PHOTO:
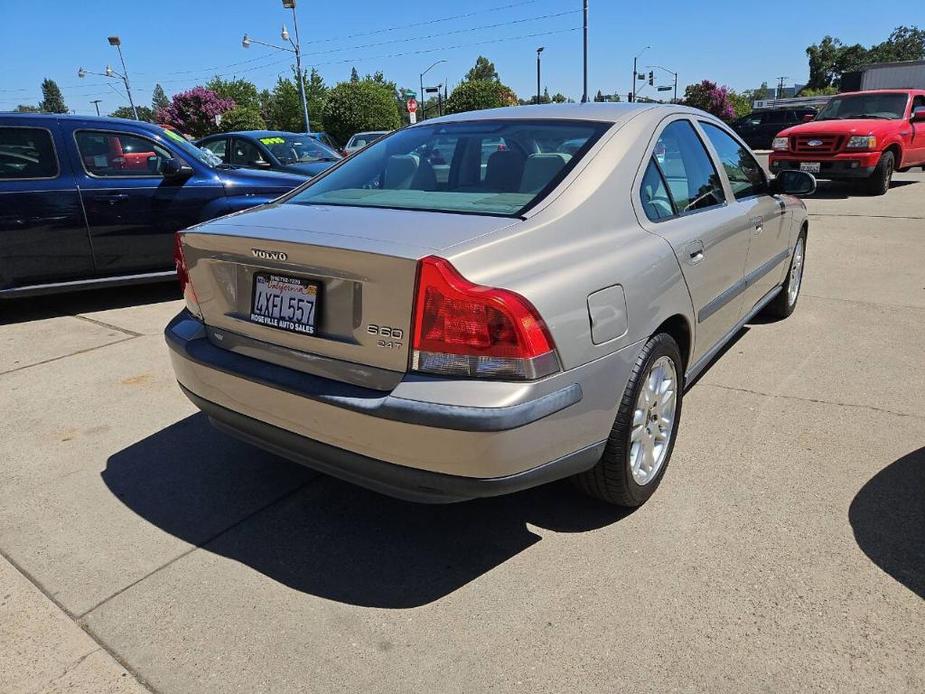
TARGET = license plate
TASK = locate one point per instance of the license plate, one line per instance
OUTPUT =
(810, 166)
(287, 303)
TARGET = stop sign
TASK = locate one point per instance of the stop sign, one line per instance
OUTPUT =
(412, 105)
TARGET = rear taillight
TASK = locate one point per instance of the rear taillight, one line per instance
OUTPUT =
(464, 329)
(186, 286)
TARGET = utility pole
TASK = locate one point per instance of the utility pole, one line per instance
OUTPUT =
(780, 87)
(96, 102)
(635, 73)
(538, 51)
(584, 92)
(115, 41)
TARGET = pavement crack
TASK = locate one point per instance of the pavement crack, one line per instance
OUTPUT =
(103, 324)
(199, 545)
(871, 408)
(65, 356)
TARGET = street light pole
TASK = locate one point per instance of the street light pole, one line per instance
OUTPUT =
(538, 51)
(117, 42)
(290, 4)
(584, 92)
(96, 102)
(421, 76)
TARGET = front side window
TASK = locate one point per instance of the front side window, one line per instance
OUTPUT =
(218, 147)
(120, 154)
(882, 105)
(246, 153)
(745, 175)
(27, 153)
(493, 167)
(690, 175)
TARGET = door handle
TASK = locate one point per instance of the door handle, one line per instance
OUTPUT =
(694, 252)
(758, 222)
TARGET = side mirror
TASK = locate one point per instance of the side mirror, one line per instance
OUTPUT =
(808, 117)
(918, 114)
(174, 168)
(793, 182)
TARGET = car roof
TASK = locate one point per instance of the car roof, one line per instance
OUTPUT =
(255, 133)
(102, 120)
(897, 90)
(591, 111)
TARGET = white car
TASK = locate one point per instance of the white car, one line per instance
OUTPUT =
(360, 140)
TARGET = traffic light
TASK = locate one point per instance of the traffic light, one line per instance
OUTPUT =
(651, 77)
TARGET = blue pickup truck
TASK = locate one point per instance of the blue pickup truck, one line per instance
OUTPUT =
(88, 202)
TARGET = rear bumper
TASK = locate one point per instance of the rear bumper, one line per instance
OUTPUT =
(399, 481)
(420, 449)
(837, 166)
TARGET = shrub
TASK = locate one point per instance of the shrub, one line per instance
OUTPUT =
(480, 94)
(353, 107)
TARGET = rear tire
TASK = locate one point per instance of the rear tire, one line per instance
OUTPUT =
(644, 431)
(880, 179)
(786, 301)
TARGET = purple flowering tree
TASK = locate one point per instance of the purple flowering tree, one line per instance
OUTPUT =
(194, 112)
(712, 98)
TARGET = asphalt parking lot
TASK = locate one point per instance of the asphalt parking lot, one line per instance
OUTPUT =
(785, 550)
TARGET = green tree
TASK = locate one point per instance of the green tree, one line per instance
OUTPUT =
(27, 108)
(159, 98)
(144, 113)
(830, 58)
(52, 99)
(825, 91)
(741, 102)
(354, 75)
(351, 107)
(599, 97)
(559, 98)
(905, 43)
(285, 103)
(474, 95)
(483, 69)
(242, 118)
(240, 91)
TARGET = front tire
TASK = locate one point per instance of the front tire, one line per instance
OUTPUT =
(643, 434)
(786, 301)
(880, 179)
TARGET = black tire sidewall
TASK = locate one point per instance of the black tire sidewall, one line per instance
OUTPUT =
(618, 446)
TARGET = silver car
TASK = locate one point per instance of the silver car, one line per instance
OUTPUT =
(360, 140)
(490, 301)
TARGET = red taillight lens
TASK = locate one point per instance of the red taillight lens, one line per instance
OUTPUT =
(464, 329)
(186, 286)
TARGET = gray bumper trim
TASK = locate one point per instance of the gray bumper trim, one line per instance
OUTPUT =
(186, 336)
(410, 484)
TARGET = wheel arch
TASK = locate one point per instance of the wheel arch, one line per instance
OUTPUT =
(897, 150)
(678, 327)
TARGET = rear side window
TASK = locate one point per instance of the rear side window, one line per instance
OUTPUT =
(246, 153)
(27, 153)
(689, 173)
(218, 147)
(113, 154)
(655, 198)
(745, 175)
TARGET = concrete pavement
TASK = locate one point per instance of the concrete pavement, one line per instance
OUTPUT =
(785, 549)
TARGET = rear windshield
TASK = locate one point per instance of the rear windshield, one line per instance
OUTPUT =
(491, 167)
(888, 106)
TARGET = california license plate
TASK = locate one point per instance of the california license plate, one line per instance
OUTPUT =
(810, 166)
(287, 303)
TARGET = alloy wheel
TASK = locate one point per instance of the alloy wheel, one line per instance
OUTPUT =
(653, 421)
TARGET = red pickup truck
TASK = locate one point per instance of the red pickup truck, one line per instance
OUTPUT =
(864, 136)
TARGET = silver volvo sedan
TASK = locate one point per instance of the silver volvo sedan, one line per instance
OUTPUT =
(490, 301)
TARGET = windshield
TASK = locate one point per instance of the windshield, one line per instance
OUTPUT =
(493, 167)
(363, 139)
(890, 106)
(297, 149)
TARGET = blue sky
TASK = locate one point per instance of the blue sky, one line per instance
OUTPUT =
(180, 43)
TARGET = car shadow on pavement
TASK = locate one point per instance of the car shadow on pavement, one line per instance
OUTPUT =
(33, 308)
(842, 190)
(888, 519)
(325, 537)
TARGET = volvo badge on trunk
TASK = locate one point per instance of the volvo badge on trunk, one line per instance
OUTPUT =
(268, 255)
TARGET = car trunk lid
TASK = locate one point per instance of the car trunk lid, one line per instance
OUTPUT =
(362, 261)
